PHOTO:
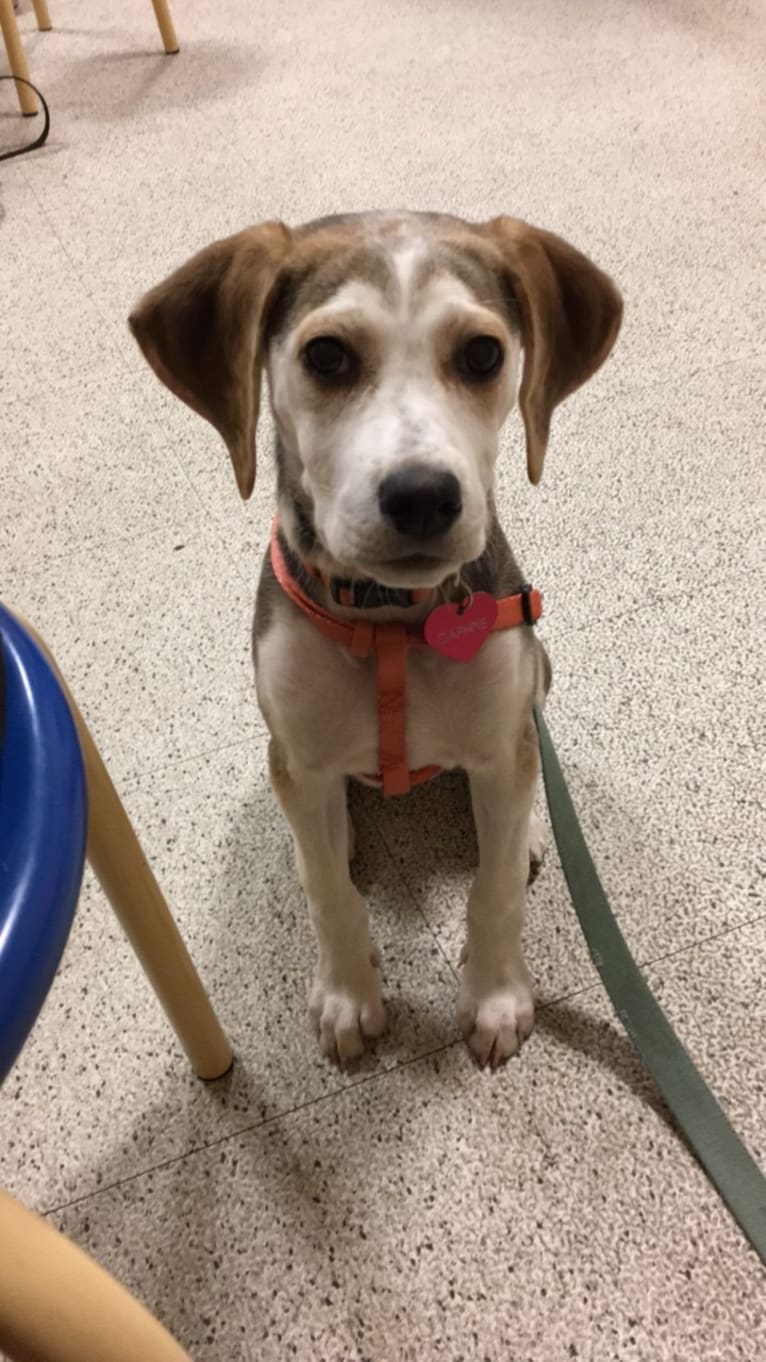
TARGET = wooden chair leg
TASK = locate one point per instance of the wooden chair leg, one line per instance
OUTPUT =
(126, 878)
(42, 16)
(58, 1305)
(16, 59)
(165, 25)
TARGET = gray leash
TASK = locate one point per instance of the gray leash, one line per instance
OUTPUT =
(712, 1138)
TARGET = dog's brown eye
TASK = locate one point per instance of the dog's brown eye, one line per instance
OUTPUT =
(481, 357)
(327, 357)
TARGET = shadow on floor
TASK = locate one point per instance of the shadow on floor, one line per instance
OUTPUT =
(111, 87)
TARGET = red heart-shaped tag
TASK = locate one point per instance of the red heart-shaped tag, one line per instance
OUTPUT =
(459, 630)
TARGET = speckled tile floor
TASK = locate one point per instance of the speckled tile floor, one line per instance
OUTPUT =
(412, 1208)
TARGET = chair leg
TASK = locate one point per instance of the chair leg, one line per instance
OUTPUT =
(165, 25)
(42, 16)
(16, 59)
(58, 1305)
(126, 878)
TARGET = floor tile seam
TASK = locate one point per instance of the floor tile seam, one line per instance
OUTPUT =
(748, 359)
(650, 962)
(209, 524)
(120, 353)
(691, 947)
(659, 517)
(378, 1076)
(606, 60)
(134, 782)
(413, 902)
(662, 598)
(76, 268)
(87, 545)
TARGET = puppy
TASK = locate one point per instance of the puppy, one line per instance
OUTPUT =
(393, 629)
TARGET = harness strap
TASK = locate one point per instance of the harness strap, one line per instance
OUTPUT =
(359, 636)
(389, 641)
(391, 649)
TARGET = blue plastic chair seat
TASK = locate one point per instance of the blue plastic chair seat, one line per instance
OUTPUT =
(43, 831)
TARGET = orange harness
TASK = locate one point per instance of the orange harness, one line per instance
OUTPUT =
(390, 641)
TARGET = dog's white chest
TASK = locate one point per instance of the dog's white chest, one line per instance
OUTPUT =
(324, 701)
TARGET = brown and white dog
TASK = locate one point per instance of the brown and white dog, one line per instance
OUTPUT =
(393, 345)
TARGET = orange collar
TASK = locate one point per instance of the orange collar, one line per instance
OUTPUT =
(390, 641)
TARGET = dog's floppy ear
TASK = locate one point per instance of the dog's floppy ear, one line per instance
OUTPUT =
(570, 314)
(202, 330)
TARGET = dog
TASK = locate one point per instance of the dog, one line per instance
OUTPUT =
(393, 631)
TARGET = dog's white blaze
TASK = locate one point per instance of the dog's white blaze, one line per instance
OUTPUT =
(408, 256)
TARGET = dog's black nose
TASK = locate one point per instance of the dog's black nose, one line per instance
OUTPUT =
(420, 501)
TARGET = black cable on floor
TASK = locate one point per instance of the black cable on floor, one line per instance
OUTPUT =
(38, 142)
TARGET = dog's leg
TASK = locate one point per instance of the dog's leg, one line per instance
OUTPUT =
(345, 1000)
(495, 1008)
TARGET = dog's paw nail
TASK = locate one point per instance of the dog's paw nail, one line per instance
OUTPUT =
(345, 1016)
(497, 1023)
(373, 1019)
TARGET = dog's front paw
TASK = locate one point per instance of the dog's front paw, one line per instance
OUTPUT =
(347, 1007)
(495, 1018)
